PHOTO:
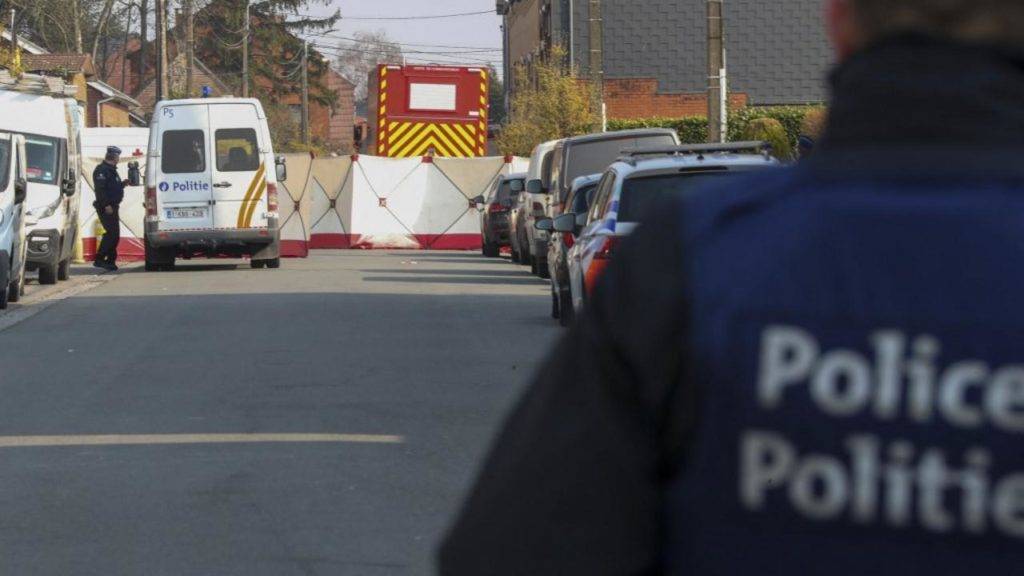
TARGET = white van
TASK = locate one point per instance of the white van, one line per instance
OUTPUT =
(211, 183)
(13, 189)
(52, 127)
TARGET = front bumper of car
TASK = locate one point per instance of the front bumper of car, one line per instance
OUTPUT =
(43, 246)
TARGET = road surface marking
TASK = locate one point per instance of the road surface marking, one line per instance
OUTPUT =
(176, 439)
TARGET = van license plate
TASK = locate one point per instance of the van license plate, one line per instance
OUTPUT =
(185, 213)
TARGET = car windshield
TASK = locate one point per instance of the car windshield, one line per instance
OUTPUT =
(505, 193)
(42, 157)
(5, 163)
(644, 193)
(593, 157)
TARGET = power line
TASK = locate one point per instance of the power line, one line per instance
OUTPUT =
(425, 17)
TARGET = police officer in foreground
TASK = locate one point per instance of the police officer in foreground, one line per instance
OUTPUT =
(109, 193)
(816, 371)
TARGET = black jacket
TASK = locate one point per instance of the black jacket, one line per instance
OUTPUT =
(108, 186)
(576, 482)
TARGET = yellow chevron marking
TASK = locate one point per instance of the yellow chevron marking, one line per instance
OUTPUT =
(383, 97)
(248, 195)
(459, 143)
(400, 143)
(464, 133)
(384, 84)
(384, 71)
(394, 134)
(254, 203)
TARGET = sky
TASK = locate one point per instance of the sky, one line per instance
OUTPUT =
(468, 35)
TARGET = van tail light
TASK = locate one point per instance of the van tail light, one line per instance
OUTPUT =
(496, 208)
(271, 197)
(608, 250)
(151, 201)
(568, 240)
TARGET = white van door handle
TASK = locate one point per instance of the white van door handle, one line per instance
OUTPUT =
(222, 185)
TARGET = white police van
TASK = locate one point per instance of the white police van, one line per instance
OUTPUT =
(211, 183)
(51, 123)
(13, 190)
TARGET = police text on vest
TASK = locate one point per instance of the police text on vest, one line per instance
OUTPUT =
(881, 479)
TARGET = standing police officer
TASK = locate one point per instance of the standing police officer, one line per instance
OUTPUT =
(815, 371)
(109, 193)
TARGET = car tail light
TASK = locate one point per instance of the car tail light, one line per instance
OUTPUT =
(151, 201)
(568, 240)
(493, 208)
(609, 248)
(271, 197)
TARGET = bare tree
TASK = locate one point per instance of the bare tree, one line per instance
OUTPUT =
(356, 59)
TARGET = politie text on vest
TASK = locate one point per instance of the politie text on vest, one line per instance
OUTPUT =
(879, 480)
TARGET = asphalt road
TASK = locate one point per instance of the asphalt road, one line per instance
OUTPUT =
(324, 418)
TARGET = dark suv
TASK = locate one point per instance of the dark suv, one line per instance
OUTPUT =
(495, 210)
(585, 155)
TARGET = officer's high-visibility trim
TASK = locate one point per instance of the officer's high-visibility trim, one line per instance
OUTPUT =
(253, 186)
(178, 439)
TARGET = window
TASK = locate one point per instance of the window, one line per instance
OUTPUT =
(42, 156)
(432, 97)
(183, 152)
(593, 157)
(602, 195)
(237, 150)
(643, 194)
(580, 202)
(5, 163)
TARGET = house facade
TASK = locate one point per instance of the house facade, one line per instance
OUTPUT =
(655, 51)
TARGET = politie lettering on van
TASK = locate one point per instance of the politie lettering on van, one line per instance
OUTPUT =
(211, 183)
(51, 121)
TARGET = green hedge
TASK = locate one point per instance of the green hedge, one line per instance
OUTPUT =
(694, 130)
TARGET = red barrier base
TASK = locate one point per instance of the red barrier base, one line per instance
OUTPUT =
(133, 250)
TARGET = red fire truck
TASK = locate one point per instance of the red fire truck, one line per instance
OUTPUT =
(428, 110)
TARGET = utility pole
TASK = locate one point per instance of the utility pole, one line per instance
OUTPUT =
(245, 54)
(717, 97)
(162, 88)
(190, 45)
(14, 38)
(144, 32)
(597, 59)
(305, 93)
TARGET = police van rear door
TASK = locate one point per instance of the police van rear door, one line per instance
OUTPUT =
(185, 188)
(239, 173)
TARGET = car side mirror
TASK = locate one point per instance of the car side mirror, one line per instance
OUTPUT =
(20, 190)
(566, 223)
(282, 168)
(535, 187)
(581, 221)
(517, 186)
(479, 202)
(544, 225)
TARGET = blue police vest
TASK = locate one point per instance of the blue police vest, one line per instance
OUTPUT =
(859, 351)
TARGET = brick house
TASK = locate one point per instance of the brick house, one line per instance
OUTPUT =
(75, 69)
(655, 51)
(341, 132)
(108, 107)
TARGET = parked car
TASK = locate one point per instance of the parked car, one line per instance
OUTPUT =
(638, 183)
(517, 231)
(211, 183)
(13, 191)
(583, 155)
(495, 208)
(52, 125)
(539, 203)
(559, 245)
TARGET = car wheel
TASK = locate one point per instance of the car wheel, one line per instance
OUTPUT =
(257, 264)
(534, 268)
(16, 289)
(543, 271)
(64, 270)
(555, 312)
(568, 314)
(515, 254)
(491, 250)
(274, 263)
